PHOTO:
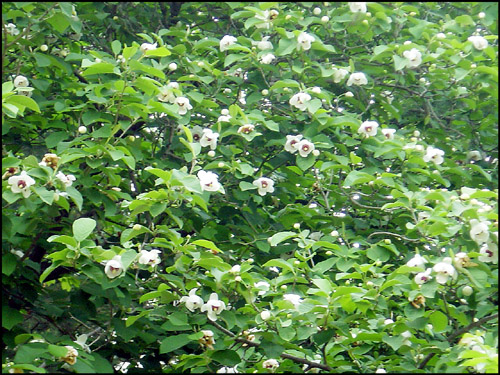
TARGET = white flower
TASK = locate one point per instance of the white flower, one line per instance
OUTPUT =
(70, 357)
(357, 7)
(271, 364)
(225, 117)
(183, 104)
(235, 269)
(263, 286)
(474, 155)
(246, 129)
(316, 90)
(357, 79)
(434, 154)
(417, 261)
(27, 93)
(339, 74)
(21, 81)
(167, 94)
(268, 16)
(380, 371)
(114, 267)
(192, 301)
(67, 180)
(489, 253)
(300, 100)
(304, 40)
(349, 94)
(441, 36)
(226, 41)
(368, 128)
(150, 257)
(293, 298)
(479, 231)
(81, 340)
(227, 370)
(21, 184)
(478, 41)
(388, 133)
(11, 29)
(292, 142)
(213, 307)
(209, 181)
(209, 138)
(388, 321)
(267, 58)
(423, 277)
(265, 314)
(147, 47)
(241, 97)
(264, 44)
(414, 57)
(197, 132)
(444, 270)
(264, 185)
(305, 147)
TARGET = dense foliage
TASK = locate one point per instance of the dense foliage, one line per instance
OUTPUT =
(270, 187)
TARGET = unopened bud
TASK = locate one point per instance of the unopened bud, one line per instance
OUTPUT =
(44, 48)
(82, 129)
(137, 227)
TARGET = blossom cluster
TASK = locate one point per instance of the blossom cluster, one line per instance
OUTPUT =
(212, 307)
(295, 143)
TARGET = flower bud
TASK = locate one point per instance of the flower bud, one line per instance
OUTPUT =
(172, 66)
(481, 15)
(387, 241)
(265, 92)
(316, 152)
(317, 11)
(265, 315)
(44, 48)
(325, 19)
(82, 129)
(329, 253)
(115, 18)
(221, 165)
(237, 279)
(211, 153)
(296, 226)
(416, 133)
(473, 66)
(137, 227)
(297, 262)
(283, 287)
(287, 17)
(131, 138)
(467, 290)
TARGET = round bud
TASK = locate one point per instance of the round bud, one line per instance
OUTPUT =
(416, 133)
(413, 139)
(365, 22)
(413, 14)
(368, 14)
(82, 129)
(371, 183)
(137, 227)
(201, 63)
(115, 18)
(369, 283)
(265, 92)
(481, 15)
(172, 66)
(329, 253)
(315, 152)
(387, 241)
(131, 138)
(378, 263)
(44, 48)
(221, 165)
(325, 19)
(296, 225)
(207, 272)
(473, 66)
(287, 17)
(265, 315)
(250, 260)
(237, 279)
(316, 11)
(347, 282)
(283, 287)
(211, 153)
(334, 233)
(297, 262)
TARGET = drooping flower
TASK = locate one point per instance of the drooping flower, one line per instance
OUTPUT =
(12, 29)
(151, 258)
(305, 147)
(300, 100)
(82, 341)
(264, 44)
(183, 105)
(207, 341)
(263, 287)
(357, 79)
(227, 370)
(489, 253)
(444, 270)
(50, 160)
(21, 81)
(271, 364)
(21, 184)
(461, 260)
(292, 142)
(418, 301)
(225, 117)
(434, 154)
(192, 301)
(114, 267)
(213, 307)
(474, 155)
(478, 41)
(147, 47)
(479, 231)
(357, 7)
(70, 357)
(339, 74)
(209, 138)
(267, 58)
(295, 299)
(226, 41)
(265, 185)
(167, 93)
(414, 57)
(368, 128)
(246, 129)
(388, 133)
(267, 17)
(304, 41)
(423, 277)
(66, 179)
(209, 180)
(417, 261)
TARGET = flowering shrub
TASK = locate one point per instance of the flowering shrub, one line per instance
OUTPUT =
(250, 187)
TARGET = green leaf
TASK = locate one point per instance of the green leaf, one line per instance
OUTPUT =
(439, 321)
(63, 239)
(280, 237)
(82, 228)
(160, 51)
(171, 343)
(58, 351)
(356, 178)
(22, 101)
(100, 68)
(279, 263)
(247, 186)
(10, 317)
(116, 46)
(226, 357)
(9, 263)
(207, 244)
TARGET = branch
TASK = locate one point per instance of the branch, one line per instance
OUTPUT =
(457, 333)
(304, 361)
